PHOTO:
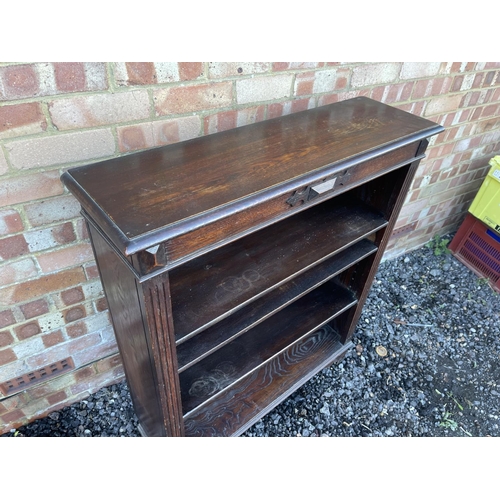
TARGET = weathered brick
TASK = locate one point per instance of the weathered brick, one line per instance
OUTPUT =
(76, 329)
(101, 304)
(52, 210)
(27, 330)
(20, 270)
(94, 353)
(70, 76)
(140, 73)
(319, 82)
(283, 66)
(59, 149)
(53, 338)
(99, 109)
(374, 74)
(65, 257)
(443, 104)
(74, 314)
(7, 356)
(39, 287)
(51, 321)
(72, 296)
(57, 397)
(35, 308)
(414, 70)
(276, 109)
(6, 318)
(190, 70)
(6, 339)
(190, 98)
(13, 246)
(263, 88)
(13, 418)
(228, 69)
(158, 133)
(91, 271)
(49, 237)
(10, 222)
(108, 363)
(235, 118)
(21, 119)
(149, 73)
(18, 81)
(29, 187)
(4, 167)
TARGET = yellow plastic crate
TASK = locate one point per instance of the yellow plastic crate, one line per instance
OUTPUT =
(486, 204)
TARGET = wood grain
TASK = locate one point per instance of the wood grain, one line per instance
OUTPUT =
(196, 348)
(206, 289)
(242, 404)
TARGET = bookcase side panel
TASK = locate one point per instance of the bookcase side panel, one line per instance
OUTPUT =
(122, 295)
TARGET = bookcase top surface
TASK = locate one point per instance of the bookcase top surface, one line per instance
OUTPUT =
(176, 188)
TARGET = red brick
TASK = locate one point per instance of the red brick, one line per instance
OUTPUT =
(65, 257)
(141, 73)
(35, 308)
(70, 76)
(13, 246)
(53, 338)
(19, 81)
(135, 137)
(191, 98)
(234, 118)
(85, 373)
(57, 397)
(6, 339)
(14, 417)
(29, 187)
(72, 296)
(39, 287)
(491, 110)
(101, 304)
(489, 78)
(325, 80)
(10, 222)
(27, 330)
(76, 329)
(74, 314)
(190, 70)
(91, 271)
(284, 108)
(108, 363)
(21, 119)
(6, 318)
(7, 356)
(63, 233)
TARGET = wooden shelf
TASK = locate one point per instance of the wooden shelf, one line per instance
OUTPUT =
(202, 345)
(213, 286)
(255, 347)
(236, 265)
(242, 404)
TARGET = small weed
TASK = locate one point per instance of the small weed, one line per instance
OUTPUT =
(439, 245)
(448, 422)
(483, 281)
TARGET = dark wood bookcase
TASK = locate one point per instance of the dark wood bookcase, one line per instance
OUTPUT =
(236, 265)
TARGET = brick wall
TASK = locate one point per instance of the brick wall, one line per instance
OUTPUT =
(58, 115)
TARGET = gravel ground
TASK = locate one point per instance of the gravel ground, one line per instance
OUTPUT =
(426, 362)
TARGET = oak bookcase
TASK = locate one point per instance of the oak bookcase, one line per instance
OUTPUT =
(236, 265)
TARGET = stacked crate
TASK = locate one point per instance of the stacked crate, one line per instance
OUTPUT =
(477, 242)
